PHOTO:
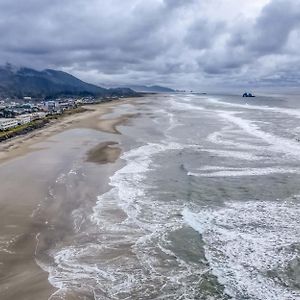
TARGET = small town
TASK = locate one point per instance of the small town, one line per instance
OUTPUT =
(14, 113)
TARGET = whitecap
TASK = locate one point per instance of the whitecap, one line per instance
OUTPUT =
(245, 241)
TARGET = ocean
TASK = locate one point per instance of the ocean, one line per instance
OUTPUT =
(202, 204)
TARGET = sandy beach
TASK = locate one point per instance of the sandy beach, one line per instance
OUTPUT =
(30, 219)
(90, 119)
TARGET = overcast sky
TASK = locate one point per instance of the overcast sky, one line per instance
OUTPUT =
(198, 44)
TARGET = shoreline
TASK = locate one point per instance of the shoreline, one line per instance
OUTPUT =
(28, 224)
(38, 124)
(20, 145)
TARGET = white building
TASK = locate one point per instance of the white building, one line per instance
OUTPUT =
(38, 115)
(24, 119)
(52, 105)
(6, 123)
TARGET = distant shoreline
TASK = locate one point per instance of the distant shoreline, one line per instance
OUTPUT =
(37, 124)
(47, 121)
(20, 144)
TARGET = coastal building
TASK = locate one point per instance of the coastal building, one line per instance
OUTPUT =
(42, 107)
(24, 119)
(38, 115)
(52, 107)
(6, 123)
(64, 105)
(88, 100)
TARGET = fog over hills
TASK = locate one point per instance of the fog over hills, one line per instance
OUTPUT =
(20, 82)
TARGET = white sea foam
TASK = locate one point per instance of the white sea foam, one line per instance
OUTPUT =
(242, 155)
(61, 178)
(184, 106)
(245, 241)
(173, 121)
(276, 143)
(129, 180)
(220, 138)
(138, 235)
(280, 110)
(238, 172)
(6, 242)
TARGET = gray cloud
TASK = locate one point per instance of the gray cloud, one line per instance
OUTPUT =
(181, 43)
(273, 26)
(202, 33)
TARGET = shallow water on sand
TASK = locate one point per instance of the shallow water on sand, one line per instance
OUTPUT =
(203, 204)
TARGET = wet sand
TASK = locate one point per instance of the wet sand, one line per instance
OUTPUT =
(104, 153)
(31, 218)
(90, 119)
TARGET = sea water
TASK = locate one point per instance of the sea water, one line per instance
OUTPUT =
(205, 205)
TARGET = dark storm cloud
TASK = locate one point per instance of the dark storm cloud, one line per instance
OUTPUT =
(175, 42)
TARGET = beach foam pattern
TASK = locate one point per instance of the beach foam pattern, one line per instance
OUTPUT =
(246, 242)
(250, 245)
(131, 258)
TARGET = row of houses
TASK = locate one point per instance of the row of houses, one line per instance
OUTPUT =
(8, 123)
(13, 114)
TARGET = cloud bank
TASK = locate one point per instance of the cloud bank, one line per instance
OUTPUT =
(180, 43)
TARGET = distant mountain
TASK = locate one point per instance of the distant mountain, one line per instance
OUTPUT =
(20, 82)
(151, 89)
